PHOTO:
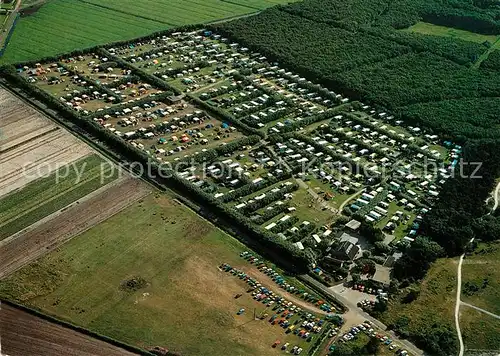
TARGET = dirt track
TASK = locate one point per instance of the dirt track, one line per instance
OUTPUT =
(269, 283)
(26, 335)
(80, 216)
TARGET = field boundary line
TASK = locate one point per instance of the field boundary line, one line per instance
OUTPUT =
(30, 145)
(127, 13)
(242, 5)
(32, 138)
(58, 212)
(66, 324)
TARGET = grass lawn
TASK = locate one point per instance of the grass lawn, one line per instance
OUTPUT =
(482, 269)
(310, 210)
(430, 29)
(186, 303)
(44, 196)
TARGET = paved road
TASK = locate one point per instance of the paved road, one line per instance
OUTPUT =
(353, 308)
(481, 310)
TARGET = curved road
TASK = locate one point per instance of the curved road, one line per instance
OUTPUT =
(457, 306)
(458, 302)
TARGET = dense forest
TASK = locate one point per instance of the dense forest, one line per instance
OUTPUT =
(481, 16)
(492, 62)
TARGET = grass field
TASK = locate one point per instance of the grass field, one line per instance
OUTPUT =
(40, 198)
(482, 270)
(187, 304)
(62, 25)
(480, 331)
(435, 303)
(436, 30)
(65, 25)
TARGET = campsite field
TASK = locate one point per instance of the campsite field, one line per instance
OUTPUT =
(60, 26)
(176, 253)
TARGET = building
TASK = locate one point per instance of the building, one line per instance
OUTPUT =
(346, 251)
(353, 225)
(347, 237)
(389, 262)
(174, 99)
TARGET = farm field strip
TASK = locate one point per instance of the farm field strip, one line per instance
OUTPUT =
(40, 194)
(17, 137)
(40, 238)
(47, 338)
(55, 203)
(97, 26)
(32, 145)
(181, 12)
(27, 165)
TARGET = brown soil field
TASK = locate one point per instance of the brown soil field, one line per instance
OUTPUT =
(24, 334)
(31, 146)
(51, 232)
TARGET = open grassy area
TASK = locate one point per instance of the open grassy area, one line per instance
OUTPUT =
(185, 302)
(436, 30)
(434, 305)
(65, 25)
(44, 196)
(480, 331)
(481, 271)
(309, 209)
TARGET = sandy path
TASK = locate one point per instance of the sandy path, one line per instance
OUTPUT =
(81, 215)
(24, 334)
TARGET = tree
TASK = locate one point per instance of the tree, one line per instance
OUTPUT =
(372, 346)
(417, 259)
